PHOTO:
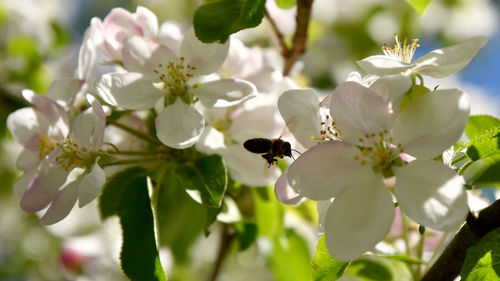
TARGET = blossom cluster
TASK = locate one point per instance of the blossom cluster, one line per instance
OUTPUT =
(368, 147)
(373, 147)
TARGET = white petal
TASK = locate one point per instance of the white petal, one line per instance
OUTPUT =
(260, 122)
(392, 89)
(42, 188)
(442, 62)
(128, 90)
(64, 90)
(65, 199)
(179, 125)
(322, 208)
(87, 128)
(170, 35)
(431, 194)
(147, 20)
(383, 65)
(91, 185)
(300, 110)
(431, 123)
(144, 55)
(358, 111)
(211, 141)
(87, 54)
(248, 168)
(207, 58)
(28, 159)
(358, 219)
(284, 192)
(224, 92)
(325, 170)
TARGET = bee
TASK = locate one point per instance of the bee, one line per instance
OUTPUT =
(270, 147)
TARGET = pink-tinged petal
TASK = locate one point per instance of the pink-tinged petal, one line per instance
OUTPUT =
(284, 193)
(327, 169)
(91, 185)
(51, 109)
(224, 92)
(21, 184)
(430, 124)
(383, 65)
(148, 21)
(117, 26)
(65, 199)
(179, 125)
(442, 62)
(206, 58)
(26, 126)
(128, 90)
(42, 188)
(64, 90)
(249, 168)
(300, 110)
(144, 55)
(392, 89)
(259, 122)
(358, 112)
(431, 194)
(358, 219)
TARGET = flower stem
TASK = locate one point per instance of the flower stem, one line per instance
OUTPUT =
(134, 132)
(420, 252)
(226, 240)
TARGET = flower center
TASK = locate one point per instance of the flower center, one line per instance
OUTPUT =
(174, 76)
(402, 51)
(381, 153)
(328, 130)
(73, 154)
(46, 146)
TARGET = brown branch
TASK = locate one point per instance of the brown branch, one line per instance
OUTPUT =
(292, 54)
(449, 264)
(279, 35)
(225, 242)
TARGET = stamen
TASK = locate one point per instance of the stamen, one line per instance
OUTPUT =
(402, 50)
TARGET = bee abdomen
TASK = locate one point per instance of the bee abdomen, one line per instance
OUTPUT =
(258, 145)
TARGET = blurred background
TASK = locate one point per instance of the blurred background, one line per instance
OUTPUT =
(39, 42)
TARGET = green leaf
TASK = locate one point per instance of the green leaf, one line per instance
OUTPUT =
(139, 255)
(480, 123)
(482, 261)
(247, 234)
(110, 196)
(484, 171)
(419, 5)
(285, 4)
(268, 212)
(324, 267)
(216, 20)
(205, 180)
(370, 269)
(484, 143)
(290, 258)
(180, 219)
